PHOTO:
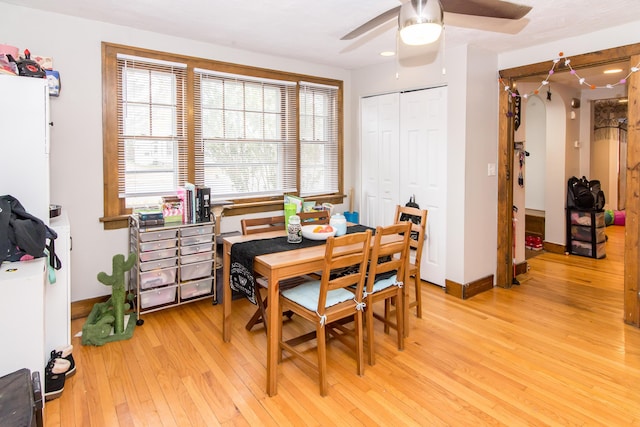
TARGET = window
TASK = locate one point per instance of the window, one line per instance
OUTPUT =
(250, 134)
(318, 139)
(152, 134)
(246, 134)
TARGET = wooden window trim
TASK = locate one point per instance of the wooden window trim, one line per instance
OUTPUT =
(115, 213)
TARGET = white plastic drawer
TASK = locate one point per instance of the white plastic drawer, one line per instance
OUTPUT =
(156, 297)
(158, 264)
(158, 235)
(198, 257)
(579, 232)
(155, 278)
(193, 249)
(196, 231)
(196, 270)
(586, 249)
(587, 218)
(154, 255)
(157, 245)
(196, 240)
(195, 289)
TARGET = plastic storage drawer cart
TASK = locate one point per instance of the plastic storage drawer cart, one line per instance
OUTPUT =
(586, 232)
(176, 264)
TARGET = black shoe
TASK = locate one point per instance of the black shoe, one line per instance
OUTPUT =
(65, 353)
(54, 379)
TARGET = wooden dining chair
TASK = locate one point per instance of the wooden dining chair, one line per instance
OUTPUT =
(418, 232)
(387, 266)
(314, 217)
(260, 225)
(329, 300)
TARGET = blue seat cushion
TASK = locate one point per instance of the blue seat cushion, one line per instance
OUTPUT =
(307, 295)
(384, 283)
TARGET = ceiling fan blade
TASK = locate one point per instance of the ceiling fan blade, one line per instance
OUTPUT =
(373, 23)
(371, 35)
(487, 8)
(496, 25)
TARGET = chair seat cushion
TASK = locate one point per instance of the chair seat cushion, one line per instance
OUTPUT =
(307, 295)
(384, 283)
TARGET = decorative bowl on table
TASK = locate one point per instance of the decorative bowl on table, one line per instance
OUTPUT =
(318, 231)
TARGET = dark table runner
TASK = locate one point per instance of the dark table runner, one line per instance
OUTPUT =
(242, 255)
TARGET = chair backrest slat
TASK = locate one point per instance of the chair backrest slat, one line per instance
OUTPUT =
(419, 230)
(391, 255)
(314, 217)
(347, 254)
(259, 225)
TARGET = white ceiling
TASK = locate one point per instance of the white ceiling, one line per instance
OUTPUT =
(311, 30)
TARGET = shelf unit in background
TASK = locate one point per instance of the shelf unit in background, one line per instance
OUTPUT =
(586, 232)
(175, 264)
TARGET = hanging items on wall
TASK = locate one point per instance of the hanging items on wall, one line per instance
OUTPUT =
(522, 153)
(520, 177)
(516, 110)
(567, 63)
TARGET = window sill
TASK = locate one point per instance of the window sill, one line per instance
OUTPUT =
(243, 208)
(239, 208)
(115, 222)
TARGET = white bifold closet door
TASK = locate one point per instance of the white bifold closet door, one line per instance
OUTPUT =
(404, 153)
(380, 123)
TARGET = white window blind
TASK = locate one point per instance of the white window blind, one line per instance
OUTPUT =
(152, 127)
(318, 139)
(245, 134)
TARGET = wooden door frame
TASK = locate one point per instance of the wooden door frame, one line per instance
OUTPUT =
(504, 270)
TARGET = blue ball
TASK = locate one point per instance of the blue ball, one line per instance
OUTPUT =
(608, 217)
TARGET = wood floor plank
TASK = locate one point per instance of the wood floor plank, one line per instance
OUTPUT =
(553, 351)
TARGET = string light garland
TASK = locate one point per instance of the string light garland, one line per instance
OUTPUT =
(581, 80)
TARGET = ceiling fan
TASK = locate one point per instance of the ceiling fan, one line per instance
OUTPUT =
(421, 22)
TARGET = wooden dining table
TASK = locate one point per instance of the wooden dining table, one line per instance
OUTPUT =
(274, 267)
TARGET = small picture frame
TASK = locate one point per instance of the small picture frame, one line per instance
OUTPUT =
(53, 78)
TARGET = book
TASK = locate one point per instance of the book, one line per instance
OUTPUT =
(298, 201)
(191, 202)
(182, 196)
(150, 222)
(172, 209)
(146, 214)
(203, 203)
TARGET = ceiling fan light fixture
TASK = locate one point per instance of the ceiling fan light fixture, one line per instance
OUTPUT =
(420, 22)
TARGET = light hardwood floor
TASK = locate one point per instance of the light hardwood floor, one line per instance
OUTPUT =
(552, 351)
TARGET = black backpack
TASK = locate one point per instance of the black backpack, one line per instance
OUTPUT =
(584, 194)
(413, 218)
(24, 234)
(597, 193)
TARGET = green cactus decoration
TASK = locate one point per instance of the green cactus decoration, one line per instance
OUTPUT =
(110, 314)
(116, 281)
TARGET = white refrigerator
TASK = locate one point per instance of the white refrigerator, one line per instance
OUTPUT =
(24, 174)
(24, 142)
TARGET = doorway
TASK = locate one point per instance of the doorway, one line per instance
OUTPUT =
(609, 149)
(504, 272)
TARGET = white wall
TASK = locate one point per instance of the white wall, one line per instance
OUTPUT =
(536, 146)
(556, 178)
(76, 138)
(481, 190)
